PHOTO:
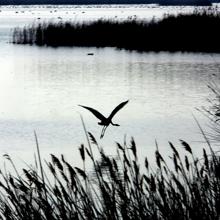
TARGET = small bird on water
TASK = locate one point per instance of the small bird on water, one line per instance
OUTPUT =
(105, 122)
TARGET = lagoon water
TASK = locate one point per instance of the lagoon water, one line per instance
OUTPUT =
(40, 88)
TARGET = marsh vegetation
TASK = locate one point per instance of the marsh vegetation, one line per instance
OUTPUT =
(196, 32)
(117, 188)
(182, 187)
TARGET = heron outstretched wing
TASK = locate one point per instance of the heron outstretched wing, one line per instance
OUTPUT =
(117, 108)
(95, 112)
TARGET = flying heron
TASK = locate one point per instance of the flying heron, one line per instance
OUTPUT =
(105, 122)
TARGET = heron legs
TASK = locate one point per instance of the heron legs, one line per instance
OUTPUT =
(103, 131)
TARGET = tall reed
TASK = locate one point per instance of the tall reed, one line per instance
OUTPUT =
(117, 189)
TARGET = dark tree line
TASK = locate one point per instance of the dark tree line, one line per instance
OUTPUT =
(162, 2)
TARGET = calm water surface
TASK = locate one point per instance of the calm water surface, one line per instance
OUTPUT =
(40, 89)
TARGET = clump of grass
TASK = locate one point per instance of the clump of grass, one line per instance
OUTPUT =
(196, 32)
(117, 189)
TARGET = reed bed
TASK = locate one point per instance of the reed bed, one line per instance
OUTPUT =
(197, 32)
(117, 189)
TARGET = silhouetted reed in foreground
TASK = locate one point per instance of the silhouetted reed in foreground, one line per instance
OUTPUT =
(196, 32)
(117, 189)
(212, 112)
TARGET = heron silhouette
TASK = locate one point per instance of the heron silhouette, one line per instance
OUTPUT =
(105, 122)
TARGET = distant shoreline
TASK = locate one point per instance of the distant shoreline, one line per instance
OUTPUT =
(197, 32)
(109, 2)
